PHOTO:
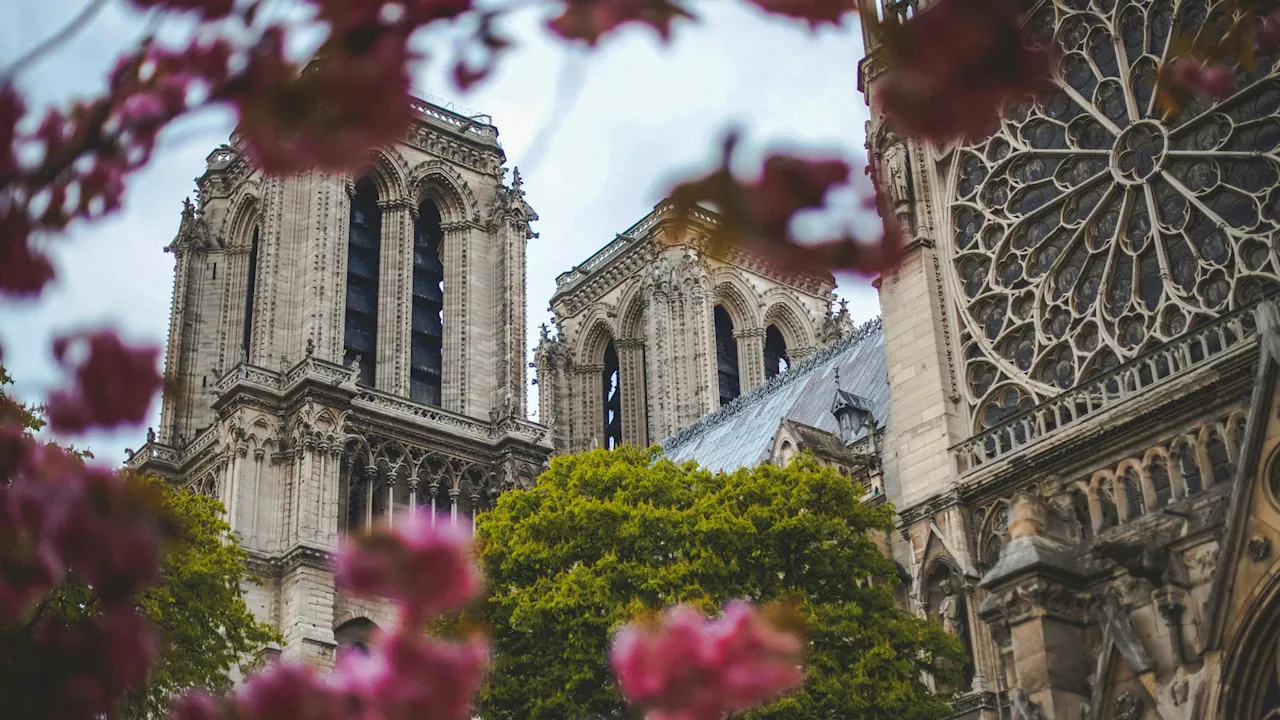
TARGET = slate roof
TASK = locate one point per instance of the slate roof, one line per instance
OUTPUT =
(741, 433)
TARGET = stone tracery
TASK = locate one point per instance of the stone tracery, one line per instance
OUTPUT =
(1091, 228)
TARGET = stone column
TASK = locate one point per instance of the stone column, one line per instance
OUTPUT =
(455, 250)
(1035, 601)
(395, 296)
(750, 357)
(590, 415)
(661, 366)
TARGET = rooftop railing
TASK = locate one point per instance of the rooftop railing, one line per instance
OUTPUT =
(1175, 358)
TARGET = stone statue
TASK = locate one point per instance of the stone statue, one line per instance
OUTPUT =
(151, 435)
(897, 174)
(949, 609)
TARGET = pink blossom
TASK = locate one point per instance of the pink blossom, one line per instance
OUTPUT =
(12, 108)
(354, 96)
(692, 668)
(408, 676)
(23, 272)
(196, 706)
(426, 568)
(92, 663)
(953, 66)
(288, 691)
(113, 386)
(1215, 81)
(1267, 31)
(210, 9)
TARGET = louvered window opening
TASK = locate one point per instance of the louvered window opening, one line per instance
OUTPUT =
(426, 357)
(251, 285)
(612, 398)
(726, 357)
(364, 248)
(775, 352)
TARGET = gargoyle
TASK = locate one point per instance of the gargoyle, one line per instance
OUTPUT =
(1141, 561)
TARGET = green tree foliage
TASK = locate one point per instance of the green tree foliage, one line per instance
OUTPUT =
(199, 605)
(207, 630)
(606, 535)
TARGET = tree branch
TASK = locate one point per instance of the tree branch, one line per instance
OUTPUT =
(71, 28)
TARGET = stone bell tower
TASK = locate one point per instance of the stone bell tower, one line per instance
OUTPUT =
(345, 349)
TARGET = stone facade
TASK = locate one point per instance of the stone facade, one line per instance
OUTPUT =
(656, 330)
(1080, 440)
(275, 407)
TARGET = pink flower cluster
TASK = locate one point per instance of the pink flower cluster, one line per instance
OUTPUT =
(65, 516)
(59, 516)
(1213, 80)
(426, 569)
(694, 668)
(114, 385)
(757, 216)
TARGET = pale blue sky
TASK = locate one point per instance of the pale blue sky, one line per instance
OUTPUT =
(643, 115)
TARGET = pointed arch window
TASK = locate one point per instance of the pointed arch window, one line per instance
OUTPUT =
(250, 286)
(364, 250)
(426, 355)
(726, 356)
(612, 389)
(775, 352)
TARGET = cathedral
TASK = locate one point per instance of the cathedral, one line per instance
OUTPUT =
(1070, 397)
(1081, 347)
(344, 350)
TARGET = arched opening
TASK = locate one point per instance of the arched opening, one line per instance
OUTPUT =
(1219, 460)
(354, 636)
(726, 356)
(364, 250)
(251, 285)
(775, 352)
(949, 605)
(786, 452)
(611, 385)
(1107, 504)
(1134, 505)
(1080, 511)
(1159, 474)
(426, 355)
(1190, 469)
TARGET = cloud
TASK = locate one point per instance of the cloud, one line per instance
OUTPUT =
(643, 115)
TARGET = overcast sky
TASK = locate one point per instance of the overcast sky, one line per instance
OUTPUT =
(618, 126)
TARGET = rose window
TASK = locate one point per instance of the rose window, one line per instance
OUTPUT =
(1092, 226)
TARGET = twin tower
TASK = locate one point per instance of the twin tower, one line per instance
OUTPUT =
(347, 349)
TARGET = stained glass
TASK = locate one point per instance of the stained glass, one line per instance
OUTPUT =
(1092, 226)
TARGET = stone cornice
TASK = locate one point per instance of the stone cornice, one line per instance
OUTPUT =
(298, 556)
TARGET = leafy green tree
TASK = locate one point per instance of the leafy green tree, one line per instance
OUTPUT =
(199, 605)
(606, 535)
(207, 630)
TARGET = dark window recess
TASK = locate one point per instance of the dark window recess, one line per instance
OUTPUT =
(612, 398)
(204, 382)
(1160, 481)
(726, 357)
(250, 285)
(1080, 509)
(426, 352)
(1219, 461)
(364, 247)
(775, 352)
(1190, 470)
(215, 271)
